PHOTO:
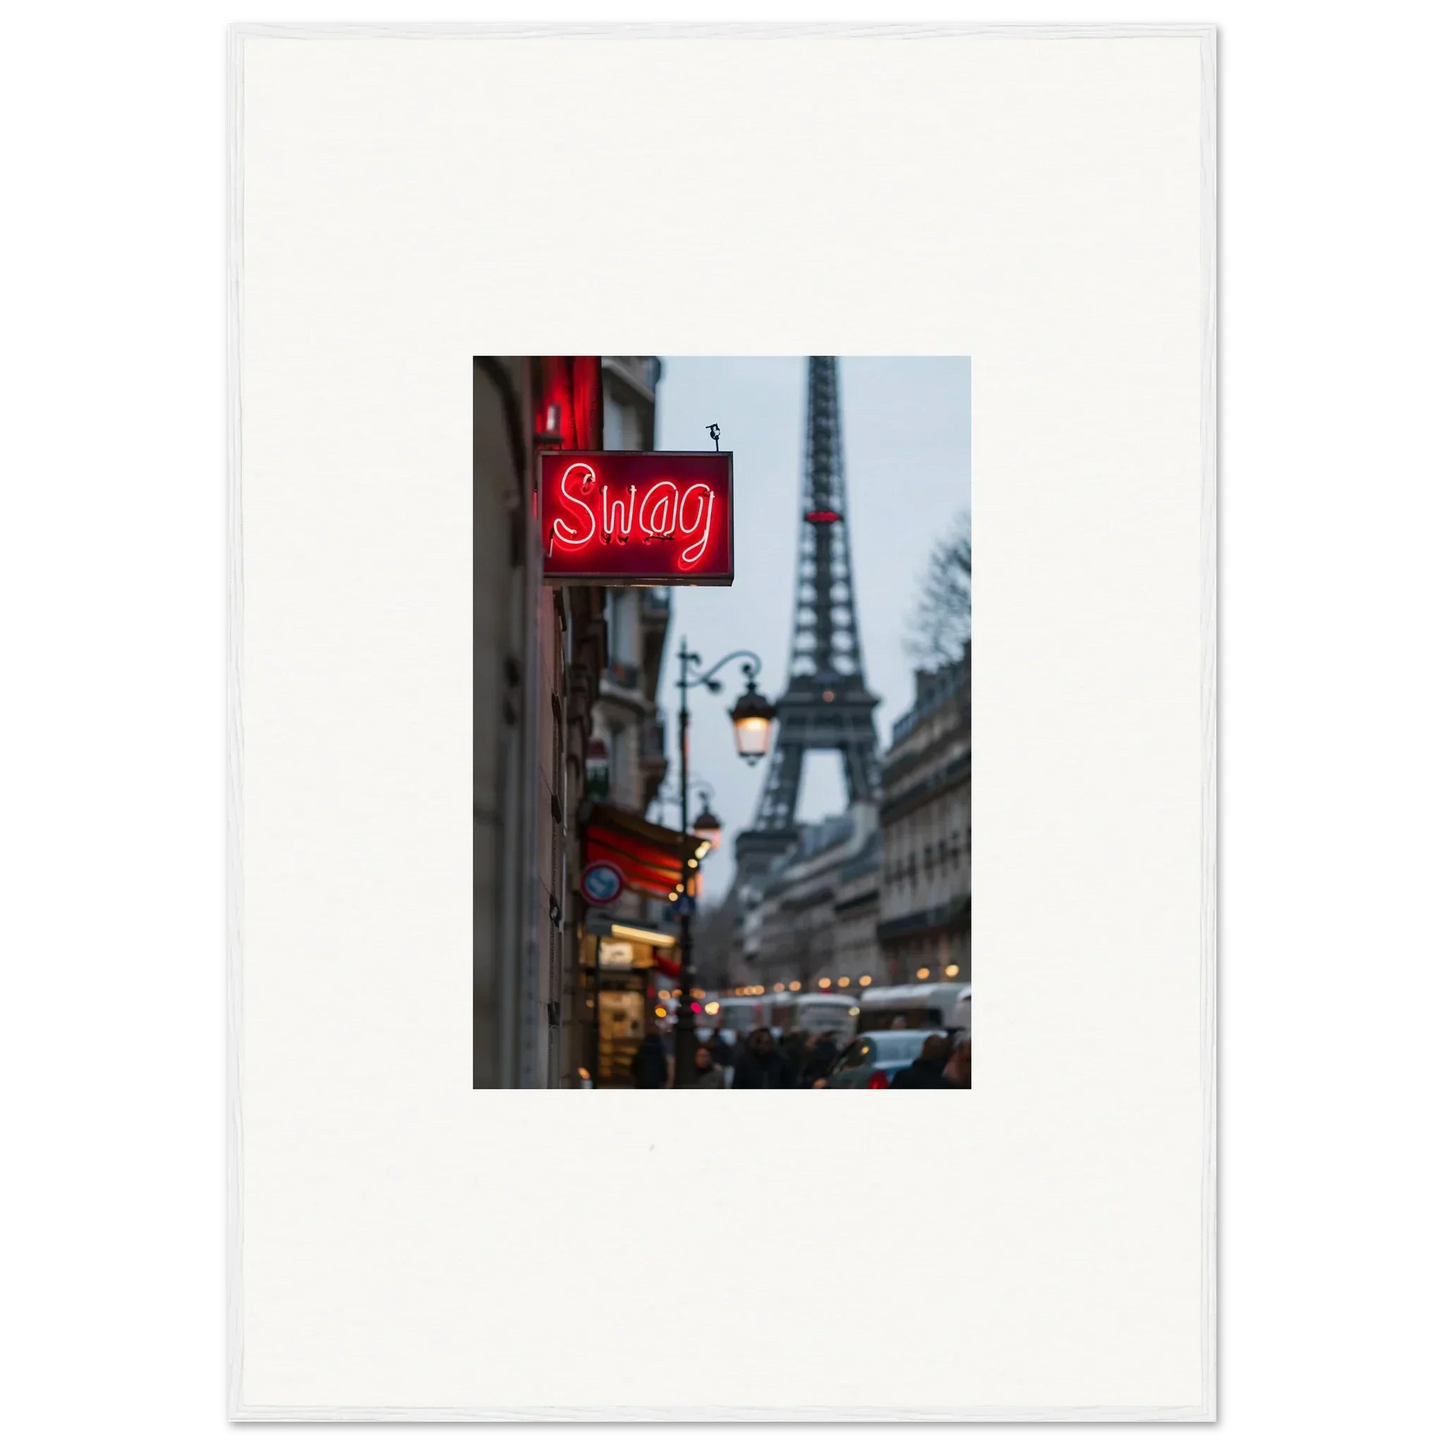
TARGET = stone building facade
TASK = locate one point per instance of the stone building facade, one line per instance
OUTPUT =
(857, 959)
(538, 658)
(628, 752)
(925, 901)
(812, 916)
(565, 710)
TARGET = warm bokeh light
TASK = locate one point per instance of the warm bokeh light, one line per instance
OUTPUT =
(795, 985)
(866, 979)
(825, 983)
(843, 982)
(923, 973)
(660, 1012)
(752, 735)
(643, 935)
(952, 970)
(708, 827)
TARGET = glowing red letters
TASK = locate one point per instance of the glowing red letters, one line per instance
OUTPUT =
(658, 518)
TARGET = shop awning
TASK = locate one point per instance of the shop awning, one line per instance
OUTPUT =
(649, 856)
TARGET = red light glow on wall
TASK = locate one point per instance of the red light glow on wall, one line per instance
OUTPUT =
(659, 518)
(569, 400)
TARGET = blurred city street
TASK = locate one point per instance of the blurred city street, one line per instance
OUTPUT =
(723, 728)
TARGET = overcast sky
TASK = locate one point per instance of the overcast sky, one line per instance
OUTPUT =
(906, 460)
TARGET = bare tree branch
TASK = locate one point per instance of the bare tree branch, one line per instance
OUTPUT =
(942, 619)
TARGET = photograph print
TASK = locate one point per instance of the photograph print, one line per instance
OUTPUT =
(722, 762)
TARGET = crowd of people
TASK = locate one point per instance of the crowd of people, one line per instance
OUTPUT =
(795, 1061)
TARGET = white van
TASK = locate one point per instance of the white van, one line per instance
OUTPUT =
(816, 1013)
(919, 1005)
(741, 1016)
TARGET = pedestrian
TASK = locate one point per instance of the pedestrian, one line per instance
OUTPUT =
(722, 1050)
(759, 1065)
(651, 1066)
(820, 1059)
(959, 1069)
(926, 1071)
(795, 1051)
(709, 1074)
(724, 1046)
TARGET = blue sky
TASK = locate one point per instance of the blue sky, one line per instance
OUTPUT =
(907, 424)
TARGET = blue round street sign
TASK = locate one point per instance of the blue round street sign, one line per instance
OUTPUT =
(602, 883)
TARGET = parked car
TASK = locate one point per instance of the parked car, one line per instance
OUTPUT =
(872, 1059)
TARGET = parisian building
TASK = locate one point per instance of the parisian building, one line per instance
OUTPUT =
(627, 756)
(569, 742)
(925, 897)
(539, 657)
(812, 918)
(857, 959)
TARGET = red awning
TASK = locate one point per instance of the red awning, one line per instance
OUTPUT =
(649, 856)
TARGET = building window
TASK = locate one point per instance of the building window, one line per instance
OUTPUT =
(612, 423)
(622, 626)
(621, 773)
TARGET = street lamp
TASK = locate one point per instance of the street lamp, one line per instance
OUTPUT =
(752, 717)
(708, 826)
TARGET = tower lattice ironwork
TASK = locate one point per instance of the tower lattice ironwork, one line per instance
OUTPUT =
(827, 706)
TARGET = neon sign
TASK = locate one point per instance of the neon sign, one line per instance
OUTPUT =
(658, 518)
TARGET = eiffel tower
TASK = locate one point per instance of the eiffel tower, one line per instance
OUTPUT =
(827, 706)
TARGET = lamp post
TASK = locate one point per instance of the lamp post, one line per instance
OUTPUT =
(705, 825)
(752, 717)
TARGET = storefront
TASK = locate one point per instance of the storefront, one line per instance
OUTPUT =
(631, 870)
(623, 961)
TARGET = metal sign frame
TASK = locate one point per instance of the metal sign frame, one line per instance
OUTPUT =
(633, 579)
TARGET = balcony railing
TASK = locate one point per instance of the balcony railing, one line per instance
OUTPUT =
(948, 685)
(947, 917)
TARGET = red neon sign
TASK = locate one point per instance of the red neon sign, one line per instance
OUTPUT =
(659, 518)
